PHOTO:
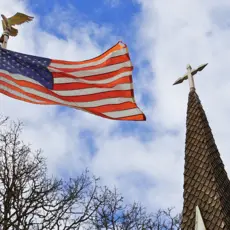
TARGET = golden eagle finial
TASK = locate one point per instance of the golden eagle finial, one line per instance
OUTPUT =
(8, 23)
(17, 19)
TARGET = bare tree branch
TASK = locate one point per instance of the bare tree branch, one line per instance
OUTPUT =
(30, 200)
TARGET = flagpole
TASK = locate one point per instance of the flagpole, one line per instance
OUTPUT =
(6, 32)
(5, 35)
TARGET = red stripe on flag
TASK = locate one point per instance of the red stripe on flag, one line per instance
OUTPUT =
(110, 62)
(118, 46)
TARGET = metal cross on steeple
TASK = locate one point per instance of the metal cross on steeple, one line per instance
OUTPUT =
(189, 75)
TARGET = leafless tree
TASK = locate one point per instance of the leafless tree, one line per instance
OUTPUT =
(30, 200)
(113, 214)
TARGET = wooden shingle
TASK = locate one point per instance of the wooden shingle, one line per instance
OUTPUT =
(206, 183)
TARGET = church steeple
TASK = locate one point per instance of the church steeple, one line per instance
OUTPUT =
(206, 184)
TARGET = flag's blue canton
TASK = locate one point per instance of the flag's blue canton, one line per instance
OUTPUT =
(27, 65)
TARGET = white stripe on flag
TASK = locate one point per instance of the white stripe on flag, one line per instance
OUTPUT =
(115, 114)
(98, 71)
(124, 113)
(64, 80)
(90, 91)
(107, 101)
(93, 63)
(18, 77)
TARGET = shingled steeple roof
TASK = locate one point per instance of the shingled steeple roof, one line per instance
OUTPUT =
(206, 183)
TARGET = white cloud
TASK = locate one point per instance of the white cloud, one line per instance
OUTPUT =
(56, 133)
(169, 35)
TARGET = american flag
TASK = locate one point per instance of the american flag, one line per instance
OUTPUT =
(102, 85)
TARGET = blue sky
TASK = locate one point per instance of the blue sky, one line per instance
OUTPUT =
(143, 160)
(120, 18)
